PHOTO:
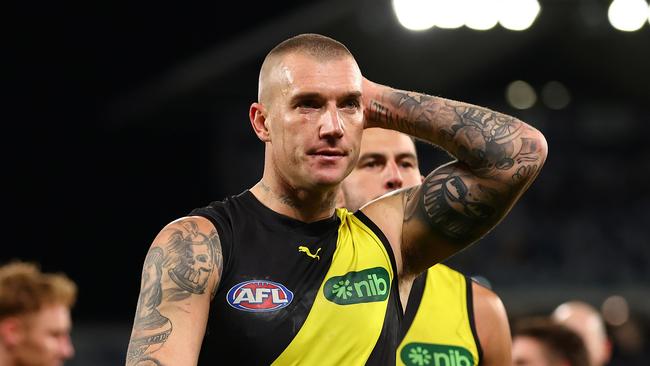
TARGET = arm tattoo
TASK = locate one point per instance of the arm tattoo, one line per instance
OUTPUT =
(498, 157)
(486, 141)
(184, 265)
(455, 206)
(190, 261)
(406, 112)
(152, 328)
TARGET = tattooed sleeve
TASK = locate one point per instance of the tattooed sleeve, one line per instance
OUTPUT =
(178, 266)
(498, 157)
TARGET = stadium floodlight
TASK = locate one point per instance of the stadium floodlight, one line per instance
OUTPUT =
(415, 15)
(518, 15)
(627, 15)
(449, 14)
(481, 14)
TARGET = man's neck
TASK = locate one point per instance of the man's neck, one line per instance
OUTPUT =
(303, 205)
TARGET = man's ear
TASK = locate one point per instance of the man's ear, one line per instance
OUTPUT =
(257, 116)
(11, 329)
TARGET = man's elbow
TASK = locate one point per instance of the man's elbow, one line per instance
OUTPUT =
(533, 154)
(542, 145)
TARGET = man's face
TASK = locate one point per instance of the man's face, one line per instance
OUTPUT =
(387, 161)
(527, 351)
(45, 338)
(315, 119)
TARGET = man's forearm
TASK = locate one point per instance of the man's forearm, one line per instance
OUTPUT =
(489, 143)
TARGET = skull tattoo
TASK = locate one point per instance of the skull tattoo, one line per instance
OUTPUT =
(193, 267)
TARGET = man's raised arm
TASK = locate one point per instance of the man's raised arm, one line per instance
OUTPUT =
(180, 273)
(498, 157)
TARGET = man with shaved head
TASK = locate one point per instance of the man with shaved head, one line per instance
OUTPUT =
(277, 274)
(587, 322)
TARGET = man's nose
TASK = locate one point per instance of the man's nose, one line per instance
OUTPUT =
(393, 177)
(67, 349)
(332, 125)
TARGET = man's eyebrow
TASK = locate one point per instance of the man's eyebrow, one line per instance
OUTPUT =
(407, 155)
(351, 95)
(319, 96)
(372, 155)
(307, 95)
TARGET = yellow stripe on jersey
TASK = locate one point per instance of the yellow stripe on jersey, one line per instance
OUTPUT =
(348, 313)
(441, 332)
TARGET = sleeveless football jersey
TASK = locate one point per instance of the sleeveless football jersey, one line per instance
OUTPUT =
(438, 327)
(321, 293)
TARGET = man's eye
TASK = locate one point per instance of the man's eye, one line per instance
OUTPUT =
(407, 165)
(352, 103)
(370, 164)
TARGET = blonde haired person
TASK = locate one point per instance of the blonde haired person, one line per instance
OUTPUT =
(34, 316)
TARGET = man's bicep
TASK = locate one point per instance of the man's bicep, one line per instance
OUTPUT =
(180, 274)
(451, 209)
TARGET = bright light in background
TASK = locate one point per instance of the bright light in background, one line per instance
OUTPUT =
(481, 14)
(414, 14)
(421, 15)
(518, 15)
(615, 310)
(555, 95)
(520, 95)
(628, 15)
(448, 14)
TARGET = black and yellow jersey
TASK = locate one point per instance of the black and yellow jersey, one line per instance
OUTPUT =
(321, 293)
(438, 327)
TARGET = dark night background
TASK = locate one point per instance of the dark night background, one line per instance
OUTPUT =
(122, 117)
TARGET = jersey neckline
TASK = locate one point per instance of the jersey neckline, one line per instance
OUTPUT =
(274, 218)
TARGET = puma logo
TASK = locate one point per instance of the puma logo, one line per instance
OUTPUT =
(308, 252)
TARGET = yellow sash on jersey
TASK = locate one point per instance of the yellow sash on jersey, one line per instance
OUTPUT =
(348, 313)
(441, 334)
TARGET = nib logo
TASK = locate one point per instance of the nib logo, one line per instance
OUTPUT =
(424, 354)
(369, 285)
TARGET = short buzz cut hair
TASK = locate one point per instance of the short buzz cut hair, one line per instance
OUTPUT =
(312, 44)
(560, 342)
(316, 46)
(25, 289)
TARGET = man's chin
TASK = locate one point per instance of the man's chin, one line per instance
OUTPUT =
(331, 179)
(332, 175)
(327, 182)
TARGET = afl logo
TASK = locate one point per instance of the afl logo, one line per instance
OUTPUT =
(259, 296)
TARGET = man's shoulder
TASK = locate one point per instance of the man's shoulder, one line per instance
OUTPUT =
(482, 292)
(220, 205)
(487, 304)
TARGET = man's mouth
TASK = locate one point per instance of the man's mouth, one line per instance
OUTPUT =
(328, 155)
(328, 152)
